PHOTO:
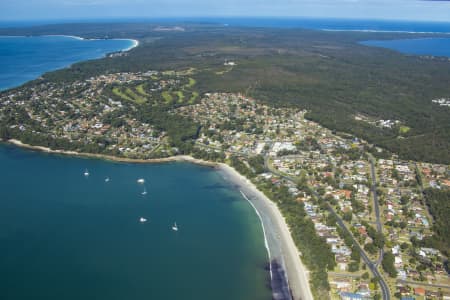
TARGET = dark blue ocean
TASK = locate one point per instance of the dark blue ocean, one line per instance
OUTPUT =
(26, 58)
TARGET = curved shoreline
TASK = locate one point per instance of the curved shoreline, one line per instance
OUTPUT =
(278, 240)
(134, 45)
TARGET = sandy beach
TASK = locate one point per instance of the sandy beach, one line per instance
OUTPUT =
(277, 234)
(134, 45)
(278, 239)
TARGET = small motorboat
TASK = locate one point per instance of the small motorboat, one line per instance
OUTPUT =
(175, 227)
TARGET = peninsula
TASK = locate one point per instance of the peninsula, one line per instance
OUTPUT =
(341, 176)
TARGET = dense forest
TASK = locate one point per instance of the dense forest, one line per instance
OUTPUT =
(438, 202)
(344, 85)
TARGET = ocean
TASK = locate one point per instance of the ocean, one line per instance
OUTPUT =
(64, 235)
(26, 58)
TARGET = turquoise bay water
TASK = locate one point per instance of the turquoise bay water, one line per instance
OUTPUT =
(26, 58)
(67, 236)
(424, 46)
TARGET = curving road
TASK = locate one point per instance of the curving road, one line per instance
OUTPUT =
(372, 267)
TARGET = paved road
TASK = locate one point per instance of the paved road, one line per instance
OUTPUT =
(345, 274)
(372, 267)
(424, 284)
(376, 206)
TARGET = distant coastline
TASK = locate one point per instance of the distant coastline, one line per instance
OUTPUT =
(45, 55)
(386, 31)
(278, 239)
(134, 45)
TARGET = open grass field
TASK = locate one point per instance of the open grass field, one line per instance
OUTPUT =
(191, 83)
(404, 129)
(167, 97)
(193, 97)
(140, 89)
(180, 96)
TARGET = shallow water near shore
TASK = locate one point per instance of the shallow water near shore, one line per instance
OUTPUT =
(70, 236)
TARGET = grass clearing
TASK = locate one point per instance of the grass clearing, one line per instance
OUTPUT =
(119, 93)
(167, 96)
(135, 97)
(193, 97)
(180, 96)
(140, 90)
(191, 83)
(404, 129)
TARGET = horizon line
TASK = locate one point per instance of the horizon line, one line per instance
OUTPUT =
(181, 18)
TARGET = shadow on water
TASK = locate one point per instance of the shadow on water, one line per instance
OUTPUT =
(220, 186)
(278, 282)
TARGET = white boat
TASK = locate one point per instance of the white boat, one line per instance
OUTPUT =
(175, 227)
(142, 220)
(141, 180)
(144, 192)
(107, 179)
(86, 173)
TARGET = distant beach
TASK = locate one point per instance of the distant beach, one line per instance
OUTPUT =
(25, 58)
(134, 45)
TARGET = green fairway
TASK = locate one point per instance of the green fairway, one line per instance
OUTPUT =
(167, 96)
(191, 83)
(140, 89)
(404, 129)
(193, 98)
(119, 93)
(135, 97)
(129, 95)
(180, 96)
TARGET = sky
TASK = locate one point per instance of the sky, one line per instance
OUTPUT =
(421, 10)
